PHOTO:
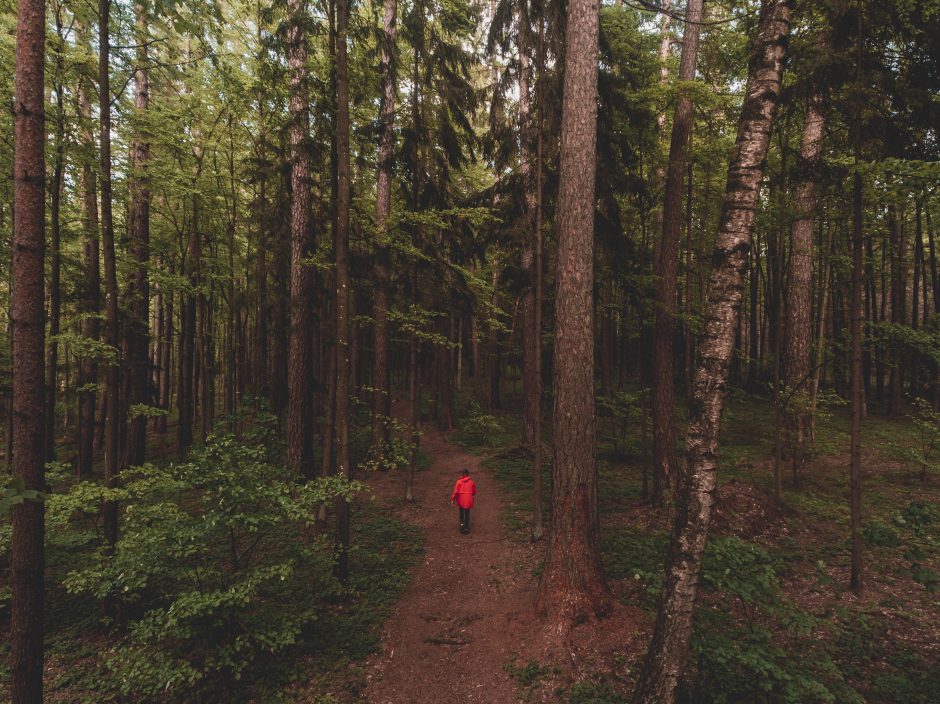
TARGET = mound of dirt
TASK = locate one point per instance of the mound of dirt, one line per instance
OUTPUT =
(745, 511)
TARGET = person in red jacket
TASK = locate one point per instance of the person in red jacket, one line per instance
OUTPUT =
(464, 491)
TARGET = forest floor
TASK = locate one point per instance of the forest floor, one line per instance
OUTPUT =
(775, 577)
(466, 629)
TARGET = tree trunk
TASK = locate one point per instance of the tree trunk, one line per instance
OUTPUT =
(138, 294)
(666, 270)
(381, 404)
(55, 265)
(342, 284)
(572, 585)
(114, 408)
(299, 436)
(898, 307)
(858, 400)
(530, 343)
(537, 523)
(28, 343)
(91, 298)
(668, 651)
(799, 287)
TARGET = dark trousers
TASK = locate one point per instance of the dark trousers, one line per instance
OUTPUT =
(464, 514)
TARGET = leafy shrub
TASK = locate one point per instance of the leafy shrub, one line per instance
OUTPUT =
(478, 428)
(211, 575)
(877, 535)
(394, 454)
(772, 655)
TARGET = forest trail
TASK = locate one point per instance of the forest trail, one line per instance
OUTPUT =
(470, 605)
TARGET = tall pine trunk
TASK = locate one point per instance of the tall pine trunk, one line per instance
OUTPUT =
(668, 651)
(138, 293)
(342, 283)
(91, 283)
(666, 270)
(28, 342)
(530, 342)
(381, 404)
(798, 292)
(572, 585)
(112, 431)
(299, 450)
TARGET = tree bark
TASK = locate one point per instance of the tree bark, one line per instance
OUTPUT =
(138, 293)
(28, 343)
(538, 528)
(799, 286)
(530, 343)
(666, 270)
(114, 409)
(299, 436)
(381, 404)
(572, 585)
(668, 651)
(856, 581)
(342, 283)
(91, 298)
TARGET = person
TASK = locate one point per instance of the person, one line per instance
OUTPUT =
(464, 491)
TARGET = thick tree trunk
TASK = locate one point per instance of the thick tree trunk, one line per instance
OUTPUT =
(668, 652)
(799, 287)
(91, 294)
(572, 584)
(666, 270)
(342, 284)
(299, 436)
(381, 404)
(114, 408)
(28, 333)
(138, 293)
(530, 343)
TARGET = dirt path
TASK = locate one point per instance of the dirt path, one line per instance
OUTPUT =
(469, 609)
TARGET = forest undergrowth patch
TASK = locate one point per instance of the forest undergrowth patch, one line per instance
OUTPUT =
(775, 621)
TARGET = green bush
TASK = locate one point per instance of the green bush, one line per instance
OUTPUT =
(755, 647)
(478, 428)
(212, 575)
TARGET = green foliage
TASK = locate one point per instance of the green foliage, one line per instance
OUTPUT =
(392, 455)
(590, 693)
(636, 555)
(478, 428)
(750, 659)
(13, 492)
(208, 570)
(925, 454)
(877, 535)
(527, 675)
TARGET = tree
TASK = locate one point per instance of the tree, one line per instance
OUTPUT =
(343, 293)
(137, 337)
(666, 268)
(112, 431)
(668, 651)
(798, 291)
(28, 329)
(299, 436)
(381, 405)
(572, 584)
(91, 284)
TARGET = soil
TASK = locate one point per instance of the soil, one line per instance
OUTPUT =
(470, 603)
(466, 629)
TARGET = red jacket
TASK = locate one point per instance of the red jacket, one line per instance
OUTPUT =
(464, 491)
